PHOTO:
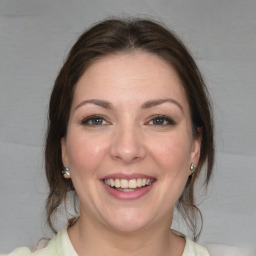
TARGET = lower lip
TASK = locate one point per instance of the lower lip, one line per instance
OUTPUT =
(140, 192)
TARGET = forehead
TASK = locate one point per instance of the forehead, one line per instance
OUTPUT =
(129, 77)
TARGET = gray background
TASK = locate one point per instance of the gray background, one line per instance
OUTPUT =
(36, 35)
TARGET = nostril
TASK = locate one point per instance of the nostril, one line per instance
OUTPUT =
(126, 144)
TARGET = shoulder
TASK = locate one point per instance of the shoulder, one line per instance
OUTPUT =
(25, 251)
(49, 249)
(60, 245)
(22, 251)
(194, 249)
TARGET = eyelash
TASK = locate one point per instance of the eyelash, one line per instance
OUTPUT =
(164, 120)
(89, 120)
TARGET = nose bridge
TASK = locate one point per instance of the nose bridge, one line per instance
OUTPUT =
(127, 142)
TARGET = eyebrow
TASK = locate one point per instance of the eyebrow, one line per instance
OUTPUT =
(146, 105)
(101, 103)
(153, 103)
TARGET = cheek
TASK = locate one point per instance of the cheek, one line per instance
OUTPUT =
(172, 156)
(85, 152)
(172, 152)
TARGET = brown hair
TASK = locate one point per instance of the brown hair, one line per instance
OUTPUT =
(113, 36)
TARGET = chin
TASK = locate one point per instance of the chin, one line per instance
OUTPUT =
(128, 222)
(127, 227)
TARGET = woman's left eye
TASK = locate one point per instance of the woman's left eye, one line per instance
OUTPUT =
(94, 121)
(161, 120)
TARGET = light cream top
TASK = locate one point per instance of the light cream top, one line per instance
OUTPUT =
(61, 245)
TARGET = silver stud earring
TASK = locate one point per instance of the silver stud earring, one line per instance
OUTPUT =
(66, 171)
(192, 167)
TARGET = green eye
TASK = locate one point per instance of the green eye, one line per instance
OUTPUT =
(162, 120)
(158, 121)
(94, 121)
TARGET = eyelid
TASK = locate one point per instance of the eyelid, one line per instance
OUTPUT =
(85, 121)
(166, 118)
(169, 120)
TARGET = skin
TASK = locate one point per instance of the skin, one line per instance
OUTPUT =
(128, 139)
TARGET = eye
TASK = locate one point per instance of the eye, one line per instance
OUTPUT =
(161, 120)
(94, 120)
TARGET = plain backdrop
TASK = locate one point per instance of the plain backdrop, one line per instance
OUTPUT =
(35, 37)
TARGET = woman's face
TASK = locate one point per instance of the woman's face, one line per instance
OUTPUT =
(129, 144)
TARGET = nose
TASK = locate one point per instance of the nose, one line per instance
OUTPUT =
(127, 145)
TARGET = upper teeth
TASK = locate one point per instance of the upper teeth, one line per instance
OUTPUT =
(123, 183)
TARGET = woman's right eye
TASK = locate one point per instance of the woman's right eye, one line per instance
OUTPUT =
(94, 121)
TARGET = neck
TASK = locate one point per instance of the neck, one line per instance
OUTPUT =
(92, 238)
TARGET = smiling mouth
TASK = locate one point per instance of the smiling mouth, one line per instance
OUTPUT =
(131, 185)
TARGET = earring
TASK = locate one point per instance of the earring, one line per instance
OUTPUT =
(66, 171)
(192, 167)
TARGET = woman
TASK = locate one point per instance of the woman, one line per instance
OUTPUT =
(129, 132)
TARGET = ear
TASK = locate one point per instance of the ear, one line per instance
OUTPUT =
(64, 155)
(196, 148)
